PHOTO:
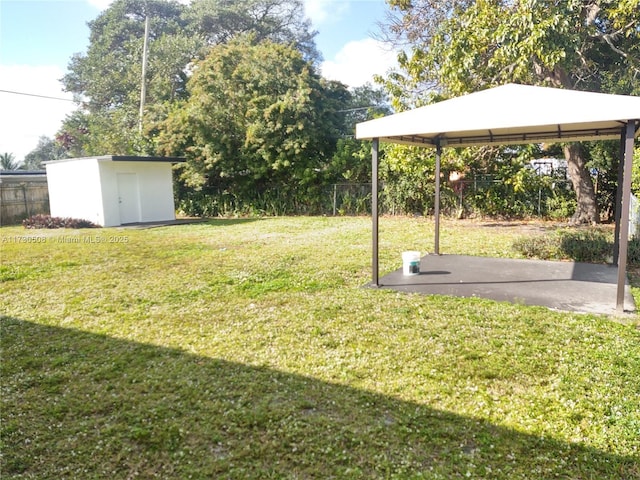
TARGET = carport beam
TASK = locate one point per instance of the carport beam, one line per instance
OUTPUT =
(624, 215)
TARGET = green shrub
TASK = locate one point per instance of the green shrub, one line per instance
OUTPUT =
(544, 247)
(633, 255)
(560, 206)
(47, 221)
(590, 245)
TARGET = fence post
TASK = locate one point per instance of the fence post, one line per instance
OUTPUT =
(539, 199)
(335, 198)
(24, 196)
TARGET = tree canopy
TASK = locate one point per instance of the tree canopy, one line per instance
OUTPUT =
(463, 46)
(46, 150)
(106, 79)
(257, 116)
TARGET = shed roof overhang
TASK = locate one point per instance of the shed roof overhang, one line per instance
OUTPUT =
(120, 158)
(510, 114)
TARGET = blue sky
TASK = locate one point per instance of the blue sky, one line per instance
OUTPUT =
(38, 37)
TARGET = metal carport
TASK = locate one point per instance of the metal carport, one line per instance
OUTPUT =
(513, 114)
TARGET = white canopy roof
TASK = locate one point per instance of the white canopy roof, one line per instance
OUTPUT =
(508, 114)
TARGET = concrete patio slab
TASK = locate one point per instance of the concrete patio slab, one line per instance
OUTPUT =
(564, 286)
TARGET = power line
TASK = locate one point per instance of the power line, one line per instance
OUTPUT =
(36, 95)
(355, 109)
(70, 100)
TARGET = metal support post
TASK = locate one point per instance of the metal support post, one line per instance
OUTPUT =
(436, 209)
(624, 214)
(618, 205)
(374, 211)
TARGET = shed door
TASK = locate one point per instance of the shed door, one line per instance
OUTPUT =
(128, 197)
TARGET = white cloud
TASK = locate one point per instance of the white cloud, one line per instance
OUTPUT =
(26, 118)
(100, 4)
(357, 62)
(321, 11)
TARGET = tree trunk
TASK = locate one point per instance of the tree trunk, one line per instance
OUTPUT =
(587, 206)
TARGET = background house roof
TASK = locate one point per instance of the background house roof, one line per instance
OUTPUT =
(509, 114)
(19, 176)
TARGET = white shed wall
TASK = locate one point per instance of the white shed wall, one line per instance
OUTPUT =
(75, 190)
(111, 192)
(155, 191)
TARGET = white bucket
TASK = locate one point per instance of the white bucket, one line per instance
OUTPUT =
(410, 263)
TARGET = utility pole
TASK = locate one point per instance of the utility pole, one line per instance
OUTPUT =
(143, 87)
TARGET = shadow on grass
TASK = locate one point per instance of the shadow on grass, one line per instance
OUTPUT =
(582, 245)
(82, 405)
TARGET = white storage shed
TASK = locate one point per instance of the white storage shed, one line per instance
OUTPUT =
(112, 190)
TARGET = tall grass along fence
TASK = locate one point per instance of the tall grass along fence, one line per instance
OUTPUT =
(22, 194)
(483, 195)
(334, 199)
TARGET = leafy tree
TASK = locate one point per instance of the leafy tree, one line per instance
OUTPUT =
(405, 172)
(106, 79)
(352, 159)
(258, 117)
(635, 187)
(108, 75)
(8, 161)
(280, 21)
(364, 103)
(463, 46)
(46, 150)
(74, 136)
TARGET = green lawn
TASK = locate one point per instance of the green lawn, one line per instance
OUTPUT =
(247, 349)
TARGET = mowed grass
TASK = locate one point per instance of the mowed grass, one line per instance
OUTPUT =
(248, 349)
